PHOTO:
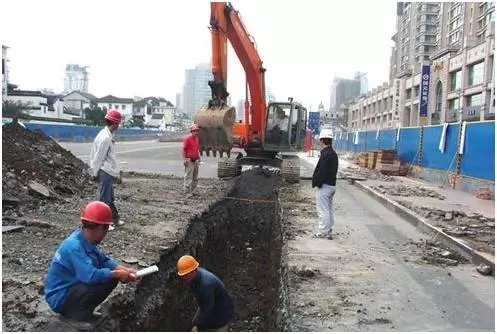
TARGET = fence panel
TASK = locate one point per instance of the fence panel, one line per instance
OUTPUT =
(407, 147)
(387, 139)
(432, 156)
(478, 159)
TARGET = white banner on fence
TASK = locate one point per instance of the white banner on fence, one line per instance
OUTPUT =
(356, 138)
(463, 136)
(377, 134)
(398, 135)
(443, 138)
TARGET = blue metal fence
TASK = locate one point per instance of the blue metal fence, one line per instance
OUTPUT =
(81, 133)
(477, 160)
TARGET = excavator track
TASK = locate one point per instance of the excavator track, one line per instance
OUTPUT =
(290, 168)
(216, 130)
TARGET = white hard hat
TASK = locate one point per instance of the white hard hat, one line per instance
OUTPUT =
(326, 133)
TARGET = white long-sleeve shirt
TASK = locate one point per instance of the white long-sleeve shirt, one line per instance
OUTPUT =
(103, 154)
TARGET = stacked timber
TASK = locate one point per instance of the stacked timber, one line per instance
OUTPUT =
(388, 163)
(362, 159)
(372, 158)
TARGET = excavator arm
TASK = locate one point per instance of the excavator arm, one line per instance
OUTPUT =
(217, 119)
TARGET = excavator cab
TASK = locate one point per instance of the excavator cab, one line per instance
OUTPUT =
(286, 126)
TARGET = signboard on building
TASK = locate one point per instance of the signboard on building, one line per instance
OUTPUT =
(425, 88)
(314, 121)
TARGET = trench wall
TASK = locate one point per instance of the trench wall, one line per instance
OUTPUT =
(239, 239)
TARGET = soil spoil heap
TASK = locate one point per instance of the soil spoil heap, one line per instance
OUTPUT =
(36, 168)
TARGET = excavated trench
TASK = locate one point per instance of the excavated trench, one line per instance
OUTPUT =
(240, 240)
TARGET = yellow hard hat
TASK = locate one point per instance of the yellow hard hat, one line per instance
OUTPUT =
(186, 264)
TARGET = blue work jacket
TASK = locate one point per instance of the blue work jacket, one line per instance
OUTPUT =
(75, 261)
(215, 303)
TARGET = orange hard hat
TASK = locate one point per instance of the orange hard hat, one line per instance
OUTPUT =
(98, 213)
(186, 264)
(114, 116)
(195, 127)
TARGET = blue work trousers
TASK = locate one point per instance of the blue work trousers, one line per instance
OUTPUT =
(106, 192)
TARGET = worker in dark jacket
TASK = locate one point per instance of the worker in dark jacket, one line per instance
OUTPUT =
(81, 276)
(324, 179)
(215, 306)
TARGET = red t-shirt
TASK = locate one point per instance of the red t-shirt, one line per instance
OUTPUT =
(191, 147)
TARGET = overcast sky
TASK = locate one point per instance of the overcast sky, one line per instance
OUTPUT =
(142, 48)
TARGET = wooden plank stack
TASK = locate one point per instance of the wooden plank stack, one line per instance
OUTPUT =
(362, 159)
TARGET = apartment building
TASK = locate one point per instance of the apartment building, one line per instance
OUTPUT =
(415, 40)
(460, 83)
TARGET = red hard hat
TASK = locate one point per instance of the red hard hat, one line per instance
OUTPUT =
(97, 212)
(195, 127)
(114, 116)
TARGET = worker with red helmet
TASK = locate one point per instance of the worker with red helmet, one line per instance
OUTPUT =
(191, 159)
(81, 276)
(103, 163)
(215, 305)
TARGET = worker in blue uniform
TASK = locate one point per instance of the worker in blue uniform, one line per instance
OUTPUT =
(215, 306)
(81, 276)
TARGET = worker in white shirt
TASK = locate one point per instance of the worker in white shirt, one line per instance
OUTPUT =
(103, 163)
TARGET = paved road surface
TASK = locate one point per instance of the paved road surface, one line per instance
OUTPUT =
(371, 279)
(148, 156)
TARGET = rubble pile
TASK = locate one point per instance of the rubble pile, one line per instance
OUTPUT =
(35, 168)
(483, 193)
(473, 228)
(408, 191)
(433, 252)
(357, 172)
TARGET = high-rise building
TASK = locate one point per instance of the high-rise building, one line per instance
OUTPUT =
(240, 110)
(416, 37)
(178, 102)
(343, 91)
(76, 78)
(5, 71)
(363, 78)
(196, 90)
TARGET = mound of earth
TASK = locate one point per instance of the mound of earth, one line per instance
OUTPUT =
(36, 168)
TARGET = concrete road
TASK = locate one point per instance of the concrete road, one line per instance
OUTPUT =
(371, 277)
(148, 156)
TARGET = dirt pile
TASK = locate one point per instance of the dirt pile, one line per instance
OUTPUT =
(35, 167)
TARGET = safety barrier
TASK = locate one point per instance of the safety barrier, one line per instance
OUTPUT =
(82, 133)
(467, 149)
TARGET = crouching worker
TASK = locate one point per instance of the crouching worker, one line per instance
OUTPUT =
(215, 306)
(81, 276)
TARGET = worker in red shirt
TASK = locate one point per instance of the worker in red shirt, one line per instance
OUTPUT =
(191, 159)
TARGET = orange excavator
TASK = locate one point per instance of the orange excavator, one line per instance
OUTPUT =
(272, 132)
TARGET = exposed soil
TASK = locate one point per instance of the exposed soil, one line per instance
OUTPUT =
(238, 238)
(29, 156)
(156, 215)
(475, 230)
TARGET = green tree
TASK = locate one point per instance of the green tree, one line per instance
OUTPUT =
(95, 115)
(16, 110)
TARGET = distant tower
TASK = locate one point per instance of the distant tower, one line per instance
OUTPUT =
(76, 78)
(362, 77)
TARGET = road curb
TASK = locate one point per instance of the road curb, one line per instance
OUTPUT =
(452, 243)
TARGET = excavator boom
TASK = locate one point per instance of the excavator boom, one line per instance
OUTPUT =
(217, 119)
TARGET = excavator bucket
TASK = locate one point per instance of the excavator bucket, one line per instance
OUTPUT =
(216, 129)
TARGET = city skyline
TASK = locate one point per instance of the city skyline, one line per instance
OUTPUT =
(132, 70)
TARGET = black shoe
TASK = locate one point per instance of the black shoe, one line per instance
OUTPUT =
(84, 326)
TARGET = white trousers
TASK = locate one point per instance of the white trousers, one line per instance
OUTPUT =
(324, 206)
